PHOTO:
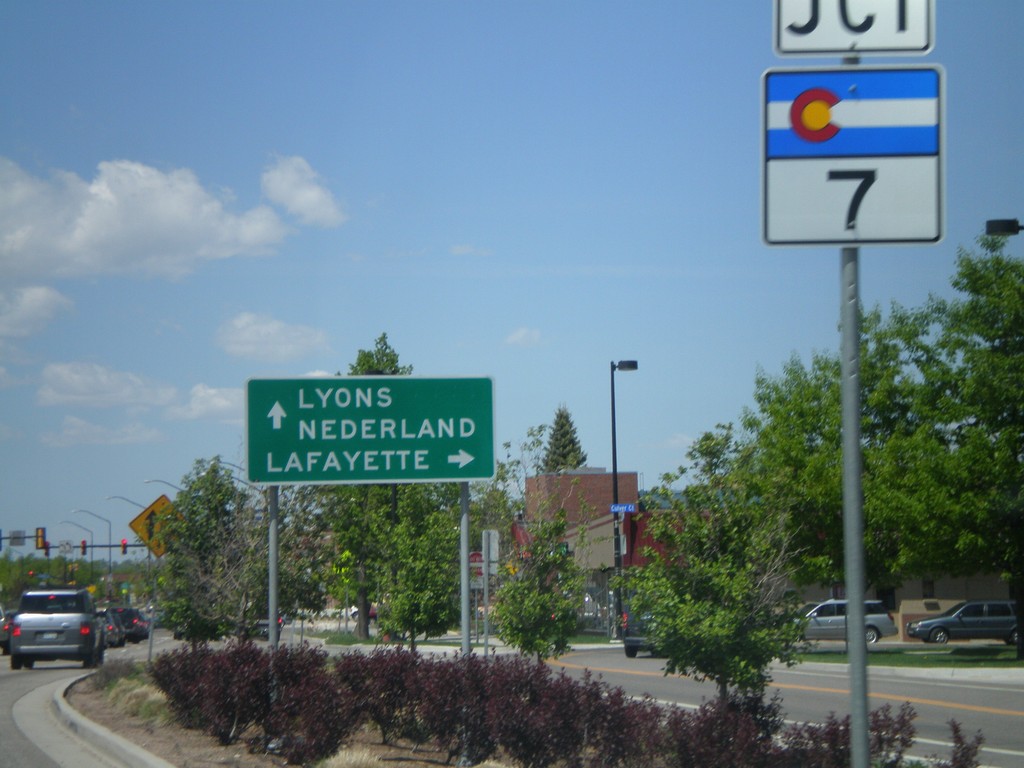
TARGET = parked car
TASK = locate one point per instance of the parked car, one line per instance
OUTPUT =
(827, 621)
(113, 628)
(5, 631)
(136, 627)
(56, 624)
(970, 620)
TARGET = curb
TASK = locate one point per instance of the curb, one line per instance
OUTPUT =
(127, 753)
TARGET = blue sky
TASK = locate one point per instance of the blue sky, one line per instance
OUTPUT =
(193, 194)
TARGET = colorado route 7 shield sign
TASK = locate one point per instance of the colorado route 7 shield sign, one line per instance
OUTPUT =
(371, 429)
(852, 155)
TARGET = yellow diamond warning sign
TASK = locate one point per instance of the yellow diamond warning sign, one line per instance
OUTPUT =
(148, 523)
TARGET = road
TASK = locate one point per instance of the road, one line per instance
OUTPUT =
(30, 733)
(30, 739)
(809, 692)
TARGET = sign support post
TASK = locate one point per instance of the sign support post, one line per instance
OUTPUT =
(464, 563)
(272, 609)
(853, 512)
(882, 131)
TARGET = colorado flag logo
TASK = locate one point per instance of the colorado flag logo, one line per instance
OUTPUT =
(852, 113)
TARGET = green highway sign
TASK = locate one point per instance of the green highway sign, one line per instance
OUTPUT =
(369, 429)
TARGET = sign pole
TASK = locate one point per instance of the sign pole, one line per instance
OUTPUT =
(487, 591)
(464, 563)
(853, 513)
(272, 500)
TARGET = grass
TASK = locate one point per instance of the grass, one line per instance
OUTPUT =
(925, 656)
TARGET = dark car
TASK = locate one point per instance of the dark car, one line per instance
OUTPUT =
(5, 631)
(113, 628)
(136, 627)
(263, 627)
(634, 634)
(970, 620)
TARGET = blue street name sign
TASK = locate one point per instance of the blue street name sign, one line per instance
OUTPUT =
(622, 509)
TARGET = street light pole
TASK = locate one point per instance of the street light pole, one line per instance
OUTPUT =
(622, 365)
(110, 548)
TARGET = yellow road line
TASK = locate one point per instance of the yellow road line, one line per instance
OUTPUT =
(816, 689)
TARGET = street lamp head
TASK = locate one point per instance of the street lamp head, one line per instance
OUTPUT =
(624, 365)
(1004, 227)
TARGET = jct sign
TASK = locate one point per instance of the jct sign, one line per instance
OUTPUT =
(844, 27)
(372, 429)
(852, 156)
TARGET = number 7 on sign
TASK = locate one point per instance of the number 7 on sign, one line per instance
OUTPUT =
(866, 179)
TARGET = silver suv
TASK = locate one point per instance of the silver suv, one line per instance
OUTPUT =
(827, 621)
(56, 624)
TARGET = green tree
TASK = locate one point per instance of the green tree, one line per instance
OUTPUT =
(362, 516)
(535, 608)
(394, 543)
(796, 431)
(214, 574)
(419, 593)
(305, 551)
(942, 424)
(382, 360)
(563, 449)
(716, 586)
(977, 384)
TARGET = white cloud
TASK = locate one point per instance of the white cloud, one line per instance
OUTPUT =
(261, 337)
(89, 384)
(523, 337)
(75, 431)
(27, 310)
(210, 402)
(130, 219)
(291, 183)
(470, 250)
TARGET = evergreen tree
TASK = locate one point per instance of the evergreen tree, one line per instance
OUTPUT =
(563, 450)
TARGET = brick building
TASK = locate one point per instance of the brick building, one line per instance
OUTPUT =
(586, 495)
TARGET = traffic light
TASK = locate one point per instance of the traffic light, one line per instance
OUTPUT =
(1, 539)
(83, 547)
(40, 538)
(46, 548)
(124, 546)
